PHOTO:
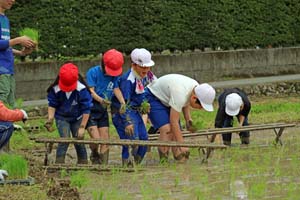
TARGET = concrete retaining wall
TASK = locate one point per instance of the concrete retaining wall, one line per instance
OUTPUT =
(271, 89)
(34, 78)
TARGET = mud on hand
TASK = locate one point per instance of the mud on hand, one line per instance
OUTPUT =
(49, 125)
(190, 127)
(106, 103)
(122, 108)
(129, 130)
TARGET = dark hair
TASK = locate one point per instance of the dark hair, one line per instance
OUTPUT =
(80, 79)
(103, 67)
(198, 102)
(53, 84)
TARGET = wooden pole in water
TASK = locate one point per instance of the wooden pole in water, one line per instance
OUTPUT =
(129, 142)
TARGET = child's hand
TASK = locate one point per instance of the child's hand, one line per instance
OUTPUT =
(49, 125)
(25, 116)
(25, 51)
(80, 134)
(122, 108)
(26, 42)
(106, 102)
(129, 130)
(190, 127)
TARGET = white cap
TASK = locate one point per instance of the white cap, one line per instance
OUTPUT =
(233, 104)
(142, 57)
(206, 95)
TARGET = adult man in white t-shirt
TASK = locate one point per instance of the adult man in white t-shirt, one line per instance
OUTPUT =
(168, 97)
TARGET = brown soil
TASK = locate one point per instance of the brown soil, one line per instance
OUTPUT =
(49, 184)
(54, 186)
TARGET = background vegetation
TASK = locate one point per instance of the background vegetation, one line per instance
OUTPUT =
(88, 27)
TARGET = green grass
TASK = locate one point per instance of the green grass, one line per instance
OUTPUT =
(267, 110)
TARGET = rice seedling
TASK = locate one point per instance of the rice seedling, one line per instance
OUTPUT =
(21, 140)
(31, 33)
(199, 194)
(292, 191)
(79, 179)
(106, 102)
(145, 107)
(98, 195)
(257, 190)
(15, 165)
(176, 181)
(63, 173)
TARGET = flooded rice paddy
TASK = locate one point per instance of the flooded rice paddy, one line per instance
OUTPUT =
(261, 171)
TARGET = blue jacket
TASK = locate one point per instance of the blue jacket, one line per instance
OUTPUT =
(127, 84)
(6, 53)
(70, 108)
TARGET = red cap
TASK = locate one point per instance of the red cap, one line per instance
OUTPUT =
(113, 61)
(68, 77)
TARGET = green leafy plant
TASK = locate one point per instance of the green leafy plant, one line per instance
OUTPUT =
(19, 103)
(145, 107)
(15, 165)
(98, 195)
(63, 173)
(31, 33)
(79, 179)
(106, 101)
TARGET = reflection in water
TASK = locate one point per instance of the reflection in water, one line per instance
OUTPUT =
(238, 190)
(235, 173)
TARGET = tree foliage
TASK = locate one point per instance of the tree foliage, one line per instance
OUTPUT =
(88, 27)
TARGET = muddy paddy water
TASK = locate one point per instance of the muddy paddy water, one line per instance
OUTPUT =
(261, 171)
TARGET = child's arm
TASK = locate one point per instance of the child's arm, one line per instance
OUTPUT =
(81, 129)
(23, 52)
(10, 115)
(119, 95)
(24, 41)
(49, 123)
(188, 119)
(95, 96)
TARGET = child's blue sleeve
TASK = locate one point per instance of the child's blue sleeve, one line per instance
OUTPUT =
(52, 99)
(126, 88)
(85, 101)
(4, 44)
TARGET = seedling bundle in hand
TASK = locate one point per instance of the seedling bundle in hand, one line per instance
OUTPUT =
(145, 107)
(32, 34)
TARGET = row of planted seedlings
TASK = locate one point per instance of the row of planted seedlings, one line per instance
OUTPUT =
(252, 172)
